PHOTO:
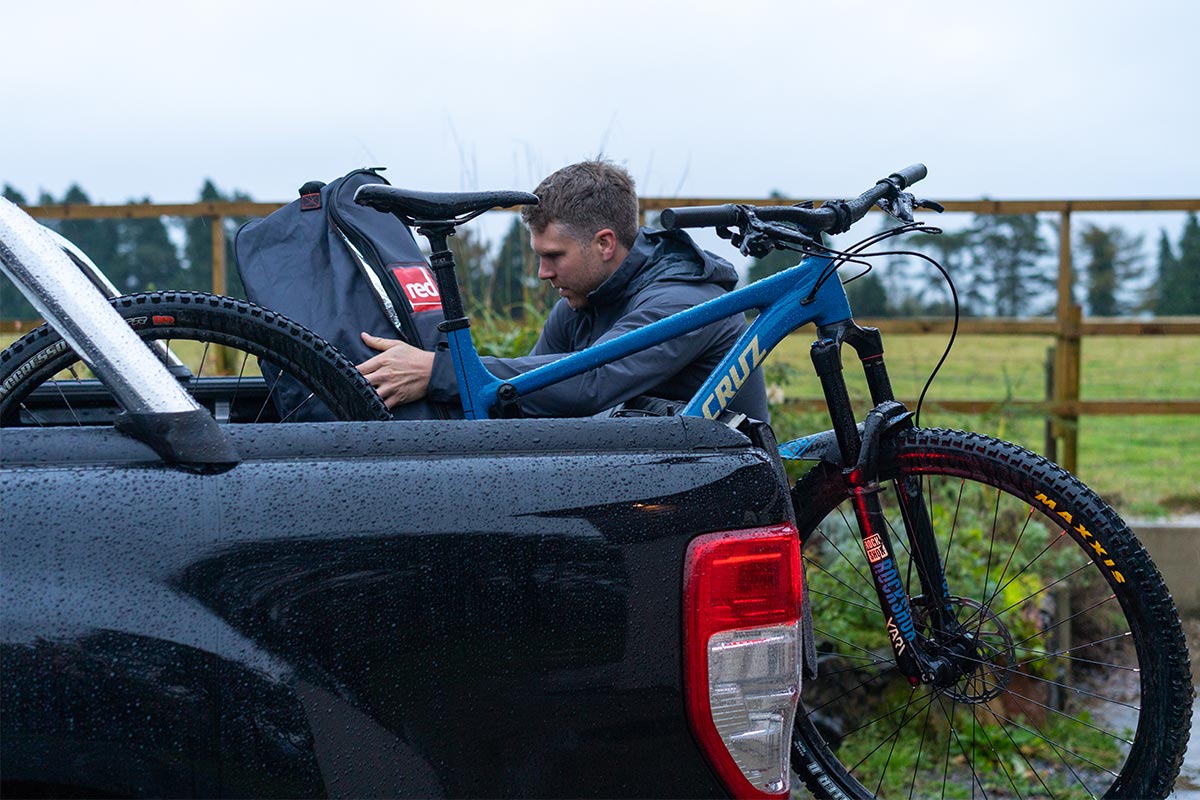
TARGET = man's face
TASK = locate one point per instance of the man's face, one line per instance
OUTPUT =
(573, 268)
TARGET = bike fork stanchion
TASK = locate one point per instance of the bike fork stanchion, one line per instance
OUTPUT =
(857, 468)
(868, 344)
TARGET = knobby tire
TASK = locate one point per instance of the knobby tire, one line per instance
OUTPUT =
(299, 353)
(1077, 635)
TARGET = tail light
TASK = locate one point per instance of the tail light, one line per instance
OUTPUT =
(742, 653)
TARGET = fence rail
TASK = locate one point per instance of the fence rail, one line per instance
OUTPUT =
(1068, 327)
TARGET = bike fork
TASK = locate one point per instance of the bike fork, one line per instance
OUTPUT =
(858, 463)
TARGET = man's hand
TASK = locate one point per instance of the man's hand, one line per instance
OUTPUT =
(400, 373)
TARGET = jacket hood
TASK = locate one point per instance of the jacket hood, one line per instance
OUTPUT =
(663, 256)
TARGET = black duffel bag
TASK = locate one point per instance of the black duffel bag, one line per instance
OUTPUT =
(339, 268)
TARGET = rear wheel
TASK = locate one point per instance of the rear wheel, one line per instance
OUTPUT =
(43, 381)
(1073, 673)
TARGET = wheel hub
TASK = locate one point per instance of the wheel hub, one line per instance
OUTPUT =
(976, 659)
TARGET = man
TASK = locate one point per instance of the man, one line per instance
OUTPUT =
(612, 278)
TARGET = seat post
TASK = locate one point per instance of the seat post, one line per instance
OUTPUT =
(441, 259)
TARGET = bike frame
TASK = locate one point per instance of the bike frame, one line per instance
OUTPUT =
(781, 299)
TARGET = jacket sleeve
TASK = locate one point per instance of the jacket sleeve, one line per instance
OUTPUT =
(606, 386)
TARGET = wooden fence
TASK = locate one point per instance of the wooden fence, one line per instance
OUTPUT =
(1068, 327)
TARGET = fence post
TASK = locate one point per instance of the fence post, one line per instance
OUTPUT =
(1066, 352)
(1050, 450)
(217, 227)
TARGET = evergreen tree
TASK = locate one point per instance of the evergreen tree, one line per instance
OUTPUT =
(953, 252)
(867, 295)
(1159, 296)
(99, 238)
(1188, 271)
(13, 196)
(1007, 256)
(197, 250)
(507, 286)
(471, 264)
(147, 258)
(1112, 259)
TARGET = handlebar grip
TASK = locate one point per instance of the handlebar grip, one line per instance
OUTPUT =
(699, 216)
(910, 175)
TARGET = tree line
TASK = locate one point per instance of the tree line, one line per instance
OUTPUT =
(176, 253)
(136, 254)
(1002, 265)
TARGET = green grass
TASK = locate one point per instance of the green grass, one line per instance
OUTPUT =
(1143, 465)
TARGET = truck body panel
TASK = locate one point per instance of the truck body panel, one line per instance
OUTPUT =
(486, 608)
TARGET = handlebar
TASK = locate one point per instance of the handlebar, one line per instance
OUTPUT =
(833, 217)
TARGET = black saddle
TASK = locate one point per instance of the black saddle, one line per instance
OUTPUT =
(416, 208)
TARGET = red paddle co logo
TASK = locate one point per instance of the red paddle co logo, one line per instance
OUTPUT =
(419, 287)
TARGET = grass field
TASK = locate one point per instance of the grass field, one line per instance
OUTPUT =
(1144, 465)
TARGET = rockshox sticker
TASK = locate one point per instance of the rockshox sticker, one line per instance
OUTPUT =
(875, 550)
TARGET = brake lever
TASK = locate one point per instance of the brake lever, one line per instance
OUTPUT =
(902, 204)
(899, 206)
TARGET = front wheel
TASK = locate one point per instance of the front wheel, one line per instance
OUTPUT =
(1073, 676)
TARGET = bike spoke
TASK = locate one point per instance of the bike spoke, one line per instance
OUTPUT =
(1045, 588)
(1036, 773)
(1065, 620)
(987, 570)
(851, 690)
(810, 562)
(962, 485)
(982, 729)
(1067, 716)
(267, 400)
(920, 748)
(1043, 655)
(58, 388)
(851, 562)
(37, 421)
(1057, 748)
(203, 358)
(819, 593)
(237, 385)
(891, 736)
(1008, 563)
(961, 749)
(311, 395)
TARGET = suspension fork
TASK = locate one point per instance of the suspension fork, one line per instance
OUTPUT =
(858, 457)
(868, 344)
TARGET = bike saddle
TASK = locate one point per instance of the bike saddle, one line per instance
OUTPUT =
(416, 207)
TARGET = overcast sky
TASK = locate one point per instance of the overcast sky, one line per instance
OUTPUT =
(1013, 99)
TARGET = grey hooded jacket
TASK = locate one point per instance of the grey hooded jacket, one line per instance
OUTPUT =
(665, 272)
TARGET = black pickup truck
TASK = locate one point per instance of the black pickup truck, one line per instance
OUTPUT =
(538, 608)
(198, 602)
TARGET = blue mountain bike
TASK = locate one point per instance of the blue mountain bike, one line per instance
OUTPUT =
(983, 623)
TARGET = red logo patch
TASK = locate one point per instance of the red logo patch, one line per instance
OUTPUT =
(419, 287)
(158, 319)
